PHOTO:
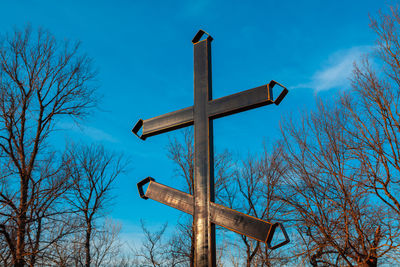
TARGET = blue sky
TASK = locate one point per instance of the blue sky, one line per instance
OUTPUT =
(144, 55)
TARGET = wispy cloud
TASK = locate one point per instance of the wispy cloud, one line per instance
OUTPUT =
(337, 70)
(91, 132)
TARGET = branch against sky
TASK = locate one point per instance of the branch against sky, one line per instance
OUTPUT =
(93, 171)
(41, 81)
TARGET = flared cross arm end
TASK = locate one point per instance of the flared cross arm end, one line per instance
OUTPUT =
(136, 129)
(200, 34)
(273, 246)
(141, 184)
(281, 95)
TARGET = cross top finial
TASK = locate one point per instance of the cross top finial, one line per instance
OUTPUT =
(200, 34)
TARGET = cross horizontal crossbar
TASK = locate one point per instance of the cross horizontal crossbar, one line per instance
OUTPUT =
(231, 219)
(217, 108)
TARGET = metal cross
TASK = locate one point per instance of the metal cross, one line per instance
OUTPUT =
(201, 205)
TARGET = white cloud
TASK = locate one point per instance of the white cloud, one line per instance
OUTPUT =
(337, 70)
(91, 132)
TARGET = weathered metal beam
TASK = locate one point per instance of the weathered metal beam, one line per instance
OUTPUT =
(166, 195)
(217, 108)
(245, 100)
(164, 123)
(203, 189)
(249, 99)
(231, 219)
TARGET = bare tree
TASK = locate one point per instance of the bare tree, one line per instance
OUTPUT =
(258, 182)
(338, 221)
(93, 171)
(249, 181)
(180, 243)
(373, 111)
(105, 247)
(153, 251)
(40, 81)
(272, 168)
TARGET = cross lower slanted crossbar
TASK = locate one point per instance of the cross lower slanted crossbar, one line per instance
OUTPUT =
(228, 218)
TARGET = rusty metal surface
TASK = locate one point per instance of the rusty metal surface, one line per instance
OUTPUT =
(233, 220)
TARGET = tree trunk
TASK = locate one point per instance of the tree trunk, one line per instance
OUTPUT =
(249, 257)
(87, 246)
(32, 262)
(21, 224)
(370, 262)
(192, 248)
(248, 262)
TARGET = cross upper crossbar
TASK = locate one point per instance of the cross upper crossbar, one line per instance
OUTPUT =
(217, 108)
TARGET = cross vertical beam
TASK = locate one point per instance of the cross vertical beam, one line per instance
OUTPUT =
(204, 230)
